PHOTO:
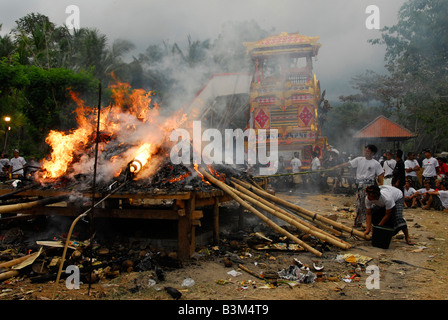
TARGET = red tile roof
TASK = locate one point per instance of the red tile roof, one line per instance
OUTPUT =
(383, 128)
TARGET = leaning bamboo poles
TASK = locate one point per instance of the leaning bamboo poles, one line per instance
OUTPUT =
(290, 218)
(304, 216)
(230, 191)
(297, 208)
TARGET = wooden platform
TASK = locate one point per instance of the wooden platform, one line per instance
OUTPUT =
(185, 207)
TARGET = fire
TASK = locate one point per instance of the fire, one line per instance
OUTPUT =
(180, 178)
(144, 154)
(195, 166)
(132, 132)
(216, 174)
(64, 147)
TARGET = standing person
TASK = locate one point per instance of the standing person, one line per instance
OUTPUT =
(431, 167)
(315, 166)
(315, 163)
(368, 172)
(296, 164)
(384, 206)
(411, 167)
(388, 167)
(399, 173)
(18, 164)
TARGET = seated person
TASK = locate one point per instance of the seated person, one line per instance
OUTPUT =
(409, 191)
(421, 194)
(437, 199)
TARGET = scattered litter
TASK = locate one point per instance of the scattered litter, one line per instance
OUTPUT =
(317, 268)
(294, 273)
(419, 249)
(188, 282)
(353, 258)
(234, 273)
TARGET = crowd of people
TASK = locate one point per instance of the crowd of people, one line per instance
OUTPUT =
(384, 185)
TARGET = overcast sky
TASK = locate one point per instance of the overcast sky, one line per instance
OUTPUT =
(340, 24)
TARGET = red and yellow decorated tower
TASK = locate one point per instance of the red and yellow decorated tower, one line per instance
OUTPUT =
(285, 94)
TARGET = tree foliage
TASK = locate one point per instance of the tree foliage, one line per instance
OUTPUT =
(415, 91)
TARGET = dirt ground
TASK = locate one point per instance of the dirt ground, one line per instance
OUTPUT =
(340, 274)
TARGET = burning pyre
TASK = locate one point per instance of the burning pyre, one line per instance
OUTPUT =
(133, 143)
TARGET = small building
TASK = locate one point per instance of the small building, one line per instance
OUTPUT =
(384, 133)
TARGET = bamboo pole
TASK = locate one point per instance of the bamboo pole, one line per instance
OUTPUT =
(294, 222)
(273, 225)
(28, 205)
(17, 261)
(8, 274)
(281, 210)
(311, 214)
(262, 200)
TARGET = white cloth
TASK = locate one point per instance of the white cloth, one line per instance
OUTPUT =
(409, 192)
(389, 195)
(443, 195)
(389, 166)
(366, 169)
(429, 166)
(296, 164)
(411, 164)
(315, 164)
(17, 165)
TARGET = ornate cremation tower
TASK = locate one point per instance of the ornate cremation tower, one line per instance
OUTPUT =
(285, 93)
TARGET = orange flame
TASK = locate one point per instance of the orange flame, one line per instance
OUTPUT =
(180, 178)
(131, 119)
(215, 173)
(195, 166)
(144, 154)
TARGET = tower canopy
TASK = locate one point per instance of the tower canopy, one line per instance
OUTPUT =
(285, 43)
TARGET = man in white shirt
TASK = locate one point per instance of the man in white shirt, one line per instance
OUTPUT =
(17, 163)
(388, 167)
(315, 163)
(384, 206)
(431, 167)
(411, 167)
(368, 172)
(296, 164)
(408, 193)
